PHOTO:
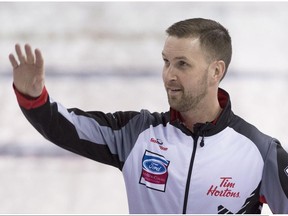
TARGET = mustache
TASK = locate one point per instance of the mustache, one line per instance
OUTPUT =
(173, 85)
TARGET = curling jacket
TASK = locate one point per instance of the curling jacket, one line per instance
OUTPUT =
(225, 166)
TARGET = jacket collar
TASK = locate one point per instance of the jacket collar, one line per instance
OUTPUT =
(208, 128)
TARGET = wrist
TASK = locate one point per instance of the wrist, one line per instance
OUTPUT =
(29, 102)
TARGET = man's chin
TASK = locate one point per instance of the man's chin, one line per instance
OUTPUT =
(174, 106)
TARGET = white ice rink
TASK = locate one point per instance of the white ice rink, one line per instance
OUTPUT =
(107, 56)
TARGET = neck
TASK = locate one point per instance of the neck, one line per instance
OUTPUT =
(201, 114)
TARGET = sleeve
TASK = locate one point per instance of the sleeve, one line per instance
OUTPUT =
(106, 138)
(274, 186)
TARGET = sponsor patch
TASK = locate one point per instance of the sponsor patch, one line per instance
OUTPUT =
(154, 171)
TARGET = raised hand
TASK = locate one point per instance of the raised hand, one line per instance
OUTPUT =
(28, 73)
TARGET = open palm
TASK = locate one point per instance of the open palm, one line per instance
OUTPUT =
(28, 73)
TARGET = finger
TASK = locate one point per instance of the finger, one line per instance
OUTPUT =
(13, 61)
(39, 59)
(29, 54)
(21, 57)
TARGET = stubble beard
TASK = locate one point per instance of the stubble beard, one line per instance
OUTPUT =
(189, 100)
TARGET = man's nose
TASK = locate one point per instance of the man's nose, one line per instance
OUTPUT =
(171, 73)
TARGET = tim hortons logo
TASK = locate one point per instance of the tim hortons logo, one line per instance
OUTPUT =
(224, 189)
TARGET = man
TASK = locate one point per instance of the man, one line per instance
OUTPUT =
(199, 157)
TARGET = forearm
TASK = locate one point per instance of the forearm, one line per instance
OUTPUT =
(59, 125)
(44, 116)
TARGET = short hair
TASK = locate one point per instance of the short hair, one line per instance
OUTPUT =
(214, 38)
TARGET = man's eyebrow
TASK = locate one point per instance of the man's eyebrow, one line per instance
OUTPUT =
(177, 57)
(181, 58)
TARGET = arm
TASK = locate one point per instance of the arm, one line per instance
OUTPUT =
(274, 185)
(95, 135)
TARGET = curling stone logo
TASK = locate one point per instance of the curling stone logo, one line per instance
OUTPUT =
(159, 142)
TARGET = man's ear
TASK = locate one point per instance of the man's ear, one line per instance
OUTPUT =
(217, 70)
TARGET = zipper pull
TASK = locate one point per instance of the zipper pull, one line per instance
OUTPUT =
(203, 133)
(202, 142)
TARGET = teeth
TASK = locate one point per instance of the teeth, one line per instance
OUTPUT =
(173, 89)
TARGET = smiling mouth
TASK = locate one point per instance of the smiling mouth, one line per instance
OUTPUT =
(173, 90)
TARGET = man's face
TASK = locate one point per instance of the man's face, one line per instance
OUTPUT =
(185, 73)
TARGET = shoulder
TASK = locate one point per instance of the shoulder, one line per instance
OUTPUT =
(262, 141)
(142, 119)
(148, 118)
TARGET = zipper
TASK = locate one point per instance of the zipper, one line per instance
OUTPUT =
(195, 139)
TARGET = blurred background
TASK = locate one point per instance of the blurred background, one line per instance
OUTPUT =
(107, 56)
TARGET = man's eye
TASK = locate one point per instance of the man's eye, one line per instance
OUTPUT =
(182, 64)
(166, 62)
